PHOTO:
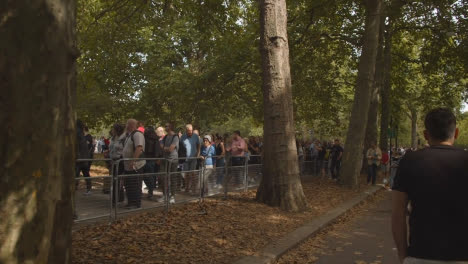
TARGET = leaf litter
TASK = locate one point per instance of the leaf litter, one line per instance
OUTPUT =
(316, 246)
(232, 228)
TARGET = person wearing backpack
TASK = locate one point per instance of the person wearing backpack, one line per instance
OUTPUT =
(133, 148)
(152, 150)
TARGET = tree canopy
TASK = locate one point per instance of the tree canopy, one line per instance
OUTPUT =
(198, 61)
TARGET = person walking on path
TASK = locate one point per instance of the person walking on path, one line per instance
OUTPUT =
(374, 155)
(433, 181)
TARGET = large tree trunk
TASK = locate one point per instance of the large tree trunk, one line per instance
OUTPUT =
(354, 145)
(281, 185)
(37, 73)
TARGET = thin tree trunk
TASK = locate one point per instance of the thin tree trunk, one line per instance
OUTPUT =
(37, 72)
(354, 145)
(414, 128)
(371, 129)
(386, 90)
(281, 185)
(394, 12)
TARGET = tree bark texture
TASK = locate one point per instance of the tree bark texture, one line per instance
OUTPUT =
(37, 75)
(371, 128)
(281, 185)
(393, 12)
(372, 125)
(355, 136)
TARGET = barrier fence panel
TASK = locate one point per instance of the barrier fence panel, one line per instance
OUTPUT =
(184, 180)
(254, 171)
(159, 183)
(235, 179)
(213, 176)
(139, 189)
(92, 194)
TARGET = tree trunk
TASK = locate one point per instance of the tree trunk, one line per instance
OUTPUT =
(414, 128)
(37, 72)
(281, 185)
(354, 145)
(394, 11)
(371, 129)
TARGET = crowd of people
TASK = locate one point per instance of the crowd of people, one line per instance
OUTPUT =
(180, 153)
(169, 150)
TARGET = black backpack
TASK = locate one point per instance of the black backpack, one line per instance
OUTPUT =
(152, 147)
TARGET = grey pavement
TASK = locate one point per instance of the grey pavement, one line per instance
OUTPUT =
(366, 240)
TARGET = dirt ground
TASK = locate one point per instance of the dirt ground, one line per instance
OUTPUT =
(230, 229)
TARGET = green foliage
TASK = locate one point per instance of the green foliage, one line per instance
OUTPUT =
(198, 62)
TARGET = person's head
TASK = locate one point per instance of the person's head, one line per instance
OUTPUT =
(160, 131)
(441, 127)
(337, 142)
(131, 125)
(196, 132)
(252, 140)
(219, 139)
(189, 130)
(169, 127)
(140, 124)
(236, 135)
(150, 132)
(207, 140)
(118, 129)
(373, 145)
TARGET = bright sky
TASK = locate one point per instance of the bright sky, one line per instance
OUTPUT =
(464, 107)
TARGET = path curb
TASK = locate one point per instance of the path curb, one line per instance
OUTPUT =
(272, 252)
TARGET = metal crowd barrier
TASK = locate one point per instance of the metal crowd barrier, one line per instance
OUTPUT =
(160, 185)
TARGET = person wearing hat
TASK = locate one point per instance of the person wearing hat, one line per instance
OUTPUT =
(207, 152)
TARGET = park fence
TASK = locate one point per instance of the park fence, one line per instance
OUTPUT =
(162, 183)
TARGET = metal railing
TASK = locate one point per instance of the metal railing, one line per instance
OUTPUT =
(160, 183)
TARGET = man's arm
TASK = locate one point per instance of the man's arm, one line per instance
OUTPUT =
(399, 227)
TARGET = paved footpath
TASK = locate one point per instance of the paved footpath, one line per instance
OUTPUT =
(366, 240)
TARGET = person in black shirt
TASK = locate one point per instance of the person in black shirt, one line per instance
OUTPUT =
(433, 181)
(336, 153)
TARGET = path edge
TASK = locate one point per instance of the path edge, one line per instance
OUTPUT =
(273, 251)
